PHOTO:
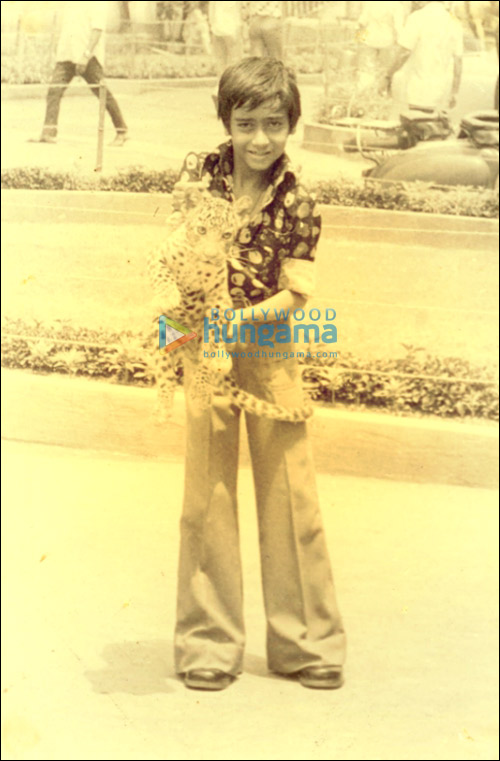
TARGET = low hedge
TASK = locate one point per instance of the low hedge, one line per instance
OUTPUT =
(415, 384)
(369, 194)
(130, 180)
(35, 64)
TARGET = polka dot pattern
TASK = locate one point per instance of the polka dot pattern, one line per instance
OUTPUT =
(289, 226)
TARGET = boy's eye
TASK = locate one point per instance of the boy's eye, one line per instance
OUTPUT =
(226, 235)
(201, 230)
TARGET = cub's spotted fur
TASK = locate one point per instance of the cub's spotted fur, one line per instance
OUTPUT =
(189, 278)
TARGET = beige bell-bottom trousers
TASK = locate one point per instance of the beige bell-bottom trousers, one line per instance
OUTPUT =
(303, 622)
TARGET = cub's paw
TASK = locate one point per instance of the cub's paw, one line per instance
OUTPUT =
(161, 414)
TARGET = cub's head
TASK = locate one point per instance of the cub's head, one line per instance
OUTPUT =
(212, 226)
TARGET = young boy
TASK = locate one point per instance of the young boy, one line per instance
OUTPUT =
(259, 105)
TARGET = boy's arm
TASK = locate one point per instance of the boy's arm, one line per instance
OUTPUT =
(285, 300)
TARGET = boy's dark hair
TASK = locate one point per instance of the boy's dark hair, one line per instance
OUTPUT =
(252, 82)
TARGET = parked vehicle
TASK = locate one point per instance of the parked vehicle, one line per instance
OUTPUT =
(424, 148)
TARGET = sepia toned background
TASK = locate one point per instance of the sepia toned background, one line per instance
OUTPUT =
(93, 487)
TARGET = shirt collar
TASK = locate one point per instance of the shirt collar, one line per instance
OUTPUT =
(280, 170)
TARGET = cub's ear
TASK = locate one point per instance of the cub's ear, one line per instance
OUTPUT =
(194, 194)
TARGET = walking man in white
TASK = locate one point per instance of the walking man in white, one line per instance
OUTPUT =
(80, 52)
(430, 50)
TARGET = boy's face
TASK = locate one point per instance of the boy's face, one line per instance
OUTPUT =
(259, 136)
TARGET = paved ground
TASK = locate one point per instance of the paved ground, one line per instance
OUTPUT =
(389, 288)
(91, 552)
(164, 123)
(79, 413)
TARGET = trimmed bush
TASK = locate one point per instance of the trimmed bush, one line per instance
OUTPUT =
(409, 196)
(130, 180)
(34, 65)
(416, 384)
(369, 194)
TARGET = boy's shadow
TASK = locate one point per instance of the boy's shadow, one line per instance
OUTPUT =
(147, 668)
(137, 668)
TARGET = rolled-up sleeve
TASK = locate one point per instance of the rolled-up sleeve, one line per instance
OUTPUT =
(298, 268)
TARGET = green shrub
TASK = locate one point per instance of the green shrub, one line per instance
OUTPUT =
(416, 384)
(30, 64)
(35, 63)
(369, 194)
(408, 196)
(346, 101)
(131, 180)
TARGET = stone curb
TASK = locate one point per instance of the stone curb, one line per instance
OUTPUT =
(98, 416)
(353, 223)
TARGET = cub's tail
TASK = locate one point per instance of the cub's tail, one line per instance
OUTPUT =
(262, 408)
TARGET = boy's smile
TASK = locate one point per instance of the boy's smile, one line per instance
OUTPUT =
(259, 136)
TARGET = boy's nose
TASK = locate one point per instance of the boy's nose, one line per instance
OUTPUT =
(260, 139)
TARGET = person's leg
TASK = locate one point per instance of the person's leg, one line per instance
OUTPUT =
(209, 632)
(64, 72)
(226, 52)
(257, 47)
(219, 53)
(272, 37)
(93, 75)
(304, 624)
(234, 48)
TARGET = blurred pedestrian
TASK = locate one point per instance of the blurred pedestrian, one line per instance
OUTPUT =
(225, 26)
(477, 13)
(80, 52)
(265, 28)
(494, 12)
(428, 60)
(196, 32)
(380, 25)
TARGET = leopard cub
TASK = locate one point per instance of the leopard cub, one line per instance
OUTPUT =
(188, 274)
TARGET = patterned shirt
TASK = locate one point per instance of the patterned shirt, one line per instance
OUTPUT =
(278, 245)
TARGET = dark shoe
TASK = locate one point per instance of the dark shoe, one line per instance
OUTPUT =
(120, 139)
(43, 139)
(321, 677)
(207, 679)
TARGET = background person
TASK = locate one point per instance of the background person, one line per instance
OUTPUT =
(80, 52)
(226, 30)
(380, 25)
(265, 28)
(428, 60)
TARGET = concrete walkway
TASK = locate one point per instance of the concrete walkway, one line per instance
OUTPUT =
(167, 119)
(90, 553)
(165, 123)
(84, 414)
